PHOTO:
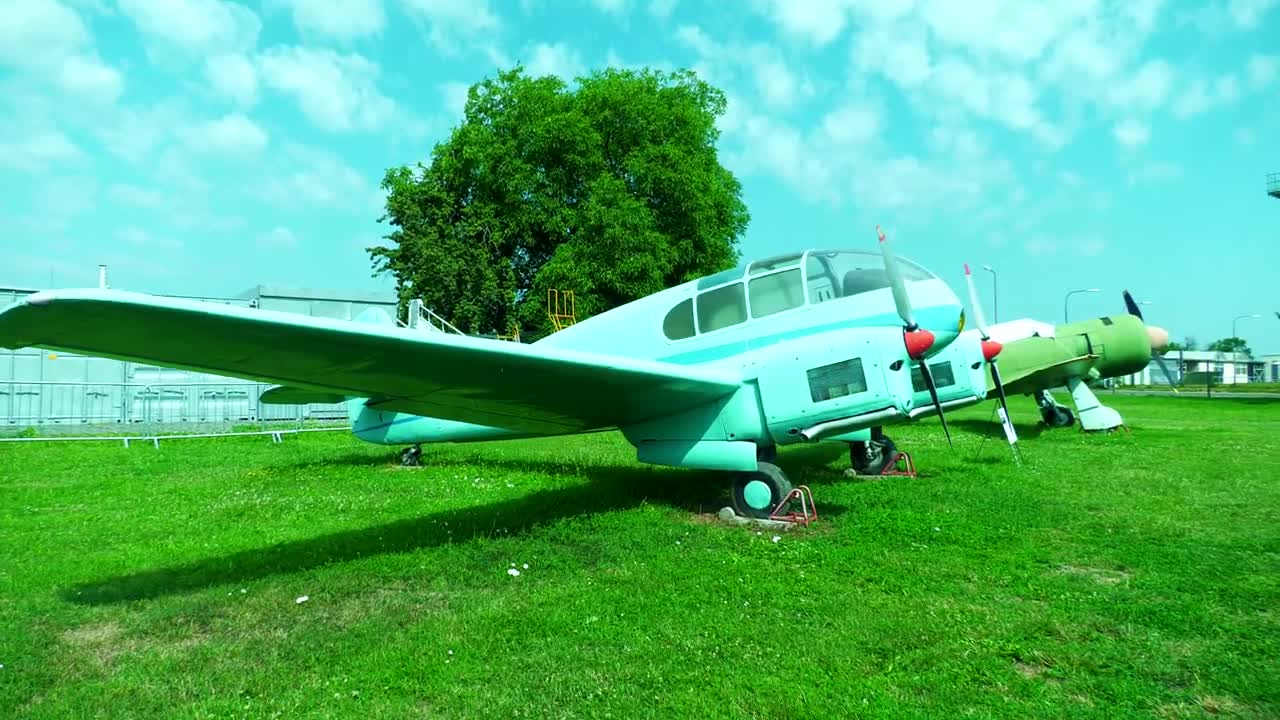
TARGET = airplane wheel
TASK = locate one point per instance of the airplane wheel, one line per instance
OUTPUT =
(1058, 417)
(412, 456)
(756, 494)
(870, 458)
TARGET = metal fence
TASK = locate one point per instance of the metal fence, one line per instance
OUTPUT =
(55, 410)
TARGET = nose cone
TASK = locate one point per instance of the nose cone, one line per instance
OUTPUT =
(1159, 337)
(990, 349)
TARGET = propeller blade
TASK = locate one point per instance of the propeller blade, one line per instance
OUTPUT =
(937, 404)
(900, 297)
(978, 315)
(1132, 306)
(1165, 369)
(1005, 420)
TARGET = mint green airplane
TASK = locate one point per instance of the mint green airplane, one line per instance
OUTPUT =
(715, 373)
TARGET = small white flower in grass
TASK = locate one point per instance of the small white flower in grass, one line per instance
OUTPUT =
(450, 652)
(526, 566)
(776, 538)
(937, 529)
(302, 599)
(513, 572)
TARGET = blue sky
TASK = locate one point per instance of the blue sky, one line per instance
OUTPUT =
(204, 146)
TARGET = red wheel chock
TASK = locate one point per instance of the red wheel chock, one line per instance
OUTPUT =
(808, 511)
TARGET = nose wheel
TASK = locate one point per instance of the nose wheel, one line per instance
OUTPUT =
(411, 456)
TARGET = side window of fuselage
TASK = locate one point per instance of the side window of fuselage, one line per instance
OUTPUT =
(775, 293)
(721, 308)
(678, 324)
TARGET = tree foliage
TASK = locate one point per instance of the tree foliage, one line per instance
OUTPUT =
(1230, 345)
(612, 189)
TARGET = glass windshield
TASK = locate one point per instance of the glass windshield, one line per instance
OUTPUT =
(838, 274)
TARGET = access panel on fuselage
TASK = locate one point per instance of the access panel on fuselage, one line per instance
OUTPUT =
(825, 377)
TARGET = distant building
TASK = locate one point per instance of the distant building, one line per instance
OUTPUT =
(1271, 367)
(1197, 367)
(38, 387)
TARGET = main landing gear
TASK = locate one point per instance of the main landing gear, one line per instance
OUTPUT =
(1053, 414)
(411, 456)
(879, 456)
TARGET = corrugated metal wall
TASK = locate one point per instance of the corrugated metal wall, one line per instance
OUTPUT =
(45, 388)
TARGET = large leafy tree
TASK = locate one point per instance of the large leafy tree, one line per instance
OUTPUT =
(612, 189)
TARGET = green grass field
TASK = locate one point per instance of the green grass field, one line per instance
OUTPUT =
(1123, 575)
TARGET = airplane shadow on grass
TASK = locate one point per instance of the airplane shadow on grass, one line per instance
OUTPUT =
(611, 487)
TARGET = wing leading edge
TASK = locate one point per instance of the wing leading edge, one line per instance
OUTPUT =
(475, 380)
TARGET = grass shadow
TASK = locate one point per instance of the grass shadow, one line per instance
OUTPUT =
(610, 487)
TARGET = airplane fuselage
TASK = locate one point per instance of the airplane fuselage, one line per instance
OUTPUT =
(818, 358)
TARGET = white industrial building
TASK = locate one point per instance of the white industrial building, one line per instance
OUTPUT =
(1222, 368)
(44, 388)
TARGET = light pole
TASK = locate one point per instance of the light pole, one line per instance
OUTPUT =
(1067, 299)
(1240, 317)
(995, 301)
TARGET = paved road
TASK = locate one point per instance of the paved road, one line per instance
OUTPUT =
(1197, 393)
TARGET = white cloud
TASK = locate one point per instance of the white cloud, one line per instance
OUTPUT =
(1040, 246)
(39, 152)
(135, 196)
(1202, 94)
(311, 177)
(199, 27)
(851, 124)
(1131, 133)
(1247, 14)
(558, 59)
(662, 9)
(453, 24)
(1262, 70)
(231, 135)
(612, 7)
(1156, 172)
(1147, 89)
(232, 76)
(40, 32)
(1012, 30)
(342, 20)
(49, 43)
(88, 80)
(278, 238)
(337, 92)
(454, 96)
(137, 237)
(774, 80)
(818, 22)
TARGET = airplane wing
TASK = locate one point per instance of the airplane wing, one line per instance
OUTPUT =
(1047, 376)
(488, 382)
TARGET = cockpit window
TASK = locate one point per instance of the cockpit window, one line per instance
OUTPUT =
(841, 274)
(678, 324)
(721, 308)
(776, 292)
(774, 263)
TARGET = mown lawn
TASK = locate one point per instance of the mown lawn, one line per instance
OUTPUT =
(1125, 575)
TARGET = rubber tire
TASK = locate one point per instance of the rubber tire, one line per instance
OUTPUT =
(769, 474)
(1058, 417)
(411, 457)
(858, 456)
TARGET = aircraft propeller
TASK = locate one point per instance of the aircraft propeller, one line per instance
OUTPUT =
(990, 349)
(917, 339)
(1159, 338)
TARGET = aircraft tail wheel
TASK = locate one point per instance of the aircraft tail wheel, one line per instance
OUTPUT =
(757, 494)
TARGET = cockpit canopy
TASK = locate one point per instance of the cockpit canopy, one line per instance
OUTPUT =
(777, 284)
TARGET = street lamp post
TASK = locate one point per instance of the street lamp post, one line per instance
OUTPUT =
(1240, 317)
(995, 301)
(1067, 299)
